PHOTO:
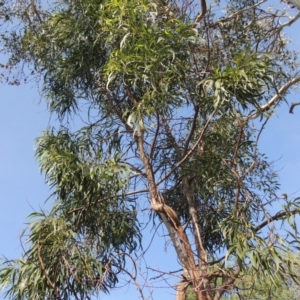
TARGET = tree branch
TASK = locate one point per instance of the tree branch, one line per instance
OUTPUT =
(228, 283)
(276, 217)
(203, 12)
(155, 137)
(188, 154)
(234, 15)
(275, 99)
(290, 22)
(292, 107)
(52, 285)
(192, 130)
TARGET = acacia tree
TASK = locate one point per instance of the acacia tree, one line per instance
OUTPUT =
(167, 95)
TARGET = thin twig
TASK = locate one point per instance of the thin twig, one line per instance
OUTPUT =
(192, 130)
(234, 15)
(188, 154)
(155, 137)
(292, 107)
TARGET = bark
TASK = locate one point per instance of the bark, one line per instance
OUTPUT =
(181, 290)
(193, 274)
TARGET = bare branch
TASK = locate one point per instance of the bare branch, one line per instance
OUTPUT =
(292, 107)
(275, 99)
(155, 137)
(228, 283)
(137, 192)
(234, 15)
(188, 153)
(276, 217)
(290, 22)
(133, 277)
(203, 12)
(171, 136)
(192, 130)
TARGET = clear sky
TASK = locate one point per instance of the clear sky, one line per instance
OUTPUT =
(23, 118)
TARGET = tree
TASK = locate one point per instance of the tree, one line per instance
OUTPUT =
(167, 102)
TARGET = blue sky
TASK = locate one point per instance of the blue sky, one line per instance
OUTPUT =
(22, 189)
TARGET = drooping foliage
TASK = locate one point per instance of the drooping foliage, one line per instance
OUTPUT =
(249, 287)
(166, 97)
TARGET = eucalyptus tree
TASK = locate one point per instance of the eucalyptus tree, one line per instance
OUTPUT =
(170, 99)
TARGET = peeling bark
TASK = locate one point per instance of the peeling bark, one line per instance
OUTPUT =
(181, 290)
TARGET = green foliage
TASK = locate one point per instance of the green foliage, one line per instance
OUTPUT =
(163, 109)
(248, 76)
(88, 185)
(248, 287)
(251, 288)
(81, 245)
(65, 262)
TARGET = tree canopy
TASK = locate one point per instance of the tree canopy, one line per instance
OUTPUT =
(169, 100)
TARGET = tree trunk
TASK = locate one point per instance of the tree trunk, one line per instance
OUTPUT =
(181, 290)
